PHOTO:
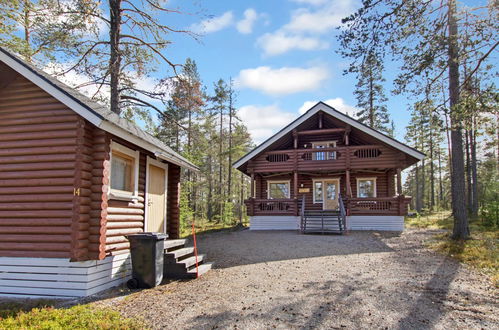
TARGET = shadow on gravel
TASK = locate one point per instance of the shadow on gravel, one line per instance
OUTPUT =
(229, 249)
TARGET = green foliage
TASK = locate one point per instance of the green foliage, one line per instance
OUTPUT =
(489, 191)
(481, 251)
(77, 317)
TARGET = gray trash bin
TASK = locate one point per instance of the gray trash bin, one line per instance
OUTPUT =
(147, 259)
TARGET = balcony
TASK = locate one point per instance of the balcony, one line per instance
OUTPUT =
(326, 159)
(397, 205)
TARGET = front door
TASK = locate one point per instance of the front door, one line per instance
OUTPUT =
(331, 190)
(156, 199)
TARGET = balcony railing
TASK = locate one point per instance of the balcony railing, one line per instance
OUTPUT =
(355, 157)
(397, 205)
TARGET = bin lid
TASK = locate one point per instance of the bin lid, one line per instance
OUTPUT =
(148, 235)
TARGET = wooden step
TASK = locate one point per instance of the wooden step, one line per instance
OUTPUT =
(177, 254)
(202, 269)
(191, 261)
(174, 243)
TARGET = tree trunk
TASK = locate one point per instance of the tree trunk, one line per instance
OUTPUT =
(469, 194)
(115, 56)
(474, 175)
(440, 182)
(461, 229)
(220, 170)
(209, 201)
(229, 175)
(418, 191)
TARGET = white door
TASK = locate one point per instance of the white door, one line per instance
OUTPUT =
(156, 197)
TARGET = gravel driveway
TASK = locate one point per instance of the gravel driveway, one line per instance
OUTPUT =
(286, 280)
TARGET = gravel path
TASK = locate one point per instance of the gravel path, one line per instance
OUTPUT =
(285, 280)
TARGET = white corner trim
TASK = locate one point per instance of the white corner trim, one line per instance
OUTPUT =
(51, 89)
(135, 154)
(336, 114)
(154, 162)
(368, 178)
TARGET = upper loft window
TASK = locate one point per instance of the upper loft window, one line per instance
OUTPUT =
(366, 187)
(324, 155)
(278, 189)
(124, 171)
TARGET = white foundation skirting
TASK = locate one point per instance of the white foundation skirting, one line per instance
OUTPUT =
(273, 222)
(60, 278)
(355, 222)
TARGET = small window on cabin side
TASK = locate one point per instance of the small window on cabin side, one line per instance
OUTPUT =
(318, 191)
(366, 187)
(123, 170)
(278, 189)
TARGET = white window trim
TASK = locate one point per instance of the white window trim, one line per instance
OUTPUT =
(288, 182)
(151, 161)
(375, 186)
(334, 142)
(322, 180)
(135, 154)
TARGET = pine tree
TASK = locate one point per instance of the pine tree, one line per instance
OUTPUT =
(370, 94)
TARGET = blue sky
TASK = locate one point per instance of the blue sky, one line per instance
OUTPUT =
(281, 54)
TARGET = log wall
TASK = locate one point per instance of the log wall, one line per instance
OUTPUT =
(38, 140)
(55, 181)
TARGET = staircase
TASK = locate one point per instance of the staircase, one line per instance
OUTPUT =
(323, 221)
(180, 261)
(327, 221)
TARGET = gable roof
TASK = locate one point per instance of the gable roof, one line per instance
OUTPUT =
(94, 112)
(321, 106)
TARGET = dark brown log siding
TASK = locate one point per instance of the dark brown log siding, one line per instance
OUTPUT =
(54, 182)
(38, 140)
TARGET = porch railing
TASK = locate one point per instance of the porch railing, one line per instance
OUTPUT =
(284, 206)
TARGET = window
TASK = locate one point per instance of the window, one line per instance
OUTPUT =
(124, 171)
(317, 191)
(366, 187)
(324, 155)
(278, 189)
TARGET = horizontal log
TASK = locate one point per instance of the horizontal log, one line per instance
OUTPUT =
(117, 246)
(38, 143)
(36, 206)
(27, 183)
(116, 239)
(26, 167)
(39, 198)
(120, 210)
(125, 224)
(70, 133)
(61, 247)
(37, 174)
(35, 221)
(37, 151)
(34, 112)
(34, 214)
(35, 238)
(124, 217)
(125, 204)
(38, 120)
(37, 158)
(47, 229)
(37, 128)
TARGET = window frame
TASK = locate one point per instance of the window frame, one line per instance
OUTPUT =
(333, 153)
(365, 179)
(288, 182)
(133, 154)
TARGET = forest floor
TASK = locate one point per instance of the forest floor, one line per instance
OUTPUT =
(287, 280)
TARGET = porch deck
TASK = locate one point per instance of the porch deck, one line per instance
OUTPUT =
(397, 205)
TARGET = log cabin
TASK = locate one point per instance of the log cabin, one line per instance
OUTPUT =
(327, 172)
(75, 180)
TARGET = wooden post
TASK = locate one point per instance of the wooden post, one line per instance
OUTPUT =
(252, 193)
(399, 181)
(295, 185)
(320, 120)
(349, 186)
(295, 139)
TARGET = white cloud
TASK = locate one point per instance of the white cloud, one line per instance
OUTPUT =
(214, 24)
(320, 20)
(311, 2)
(338, 103)
(264, 121)
(286, 80)
(245, 26)
(281, 42)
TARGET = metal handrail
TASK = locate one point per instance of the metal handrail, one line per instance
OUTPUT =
(302, 213)
(343, 213)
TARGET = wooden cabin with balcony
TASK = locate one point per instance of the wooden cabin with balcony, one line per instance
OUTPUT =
(327, 165)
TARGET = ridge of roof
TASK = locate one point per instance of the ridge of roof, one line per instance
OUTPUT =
(321, 106)
(94, 112)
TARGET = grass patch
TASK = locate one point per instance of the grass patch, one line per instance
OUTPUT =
(205, 227)
(479, 251)
(43, 315)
